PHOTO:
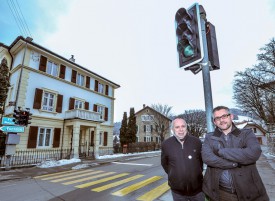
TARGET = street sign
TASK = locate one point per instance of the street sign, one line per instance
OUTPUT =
(7, 121)
(15, 129)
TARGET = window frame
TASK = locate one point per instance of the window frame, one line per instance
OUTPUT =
(46, 107)
(80, 79)
(50, 68)
(44, 137)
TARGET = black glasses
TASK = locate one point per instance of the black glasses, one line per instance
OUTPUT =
(223, 117)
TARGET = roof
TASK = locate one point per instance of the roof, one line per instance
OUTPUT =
(147, 107)
(244, 124)
(57, 55)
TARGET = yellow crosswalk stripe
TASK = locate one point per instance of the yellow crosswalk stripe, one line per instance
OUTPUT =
(114, 184)
(73, 177)
(70, 174)
(83, 179)
(52, 174)
(107, 179)
(91, 183)
(136, 186)
(155, 193)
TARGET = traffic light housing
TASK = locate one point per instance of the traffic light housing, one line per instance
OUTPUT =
(28, 118)
(17, 117)
(189, 37)
(212, 47)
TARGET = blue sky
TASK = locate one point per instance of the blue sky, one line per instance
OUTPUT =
(133, 44)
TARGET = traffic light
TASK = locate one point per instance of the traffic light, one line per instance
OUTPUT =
(212, 46)
(28, 117)
(17, 117)
(189, 37)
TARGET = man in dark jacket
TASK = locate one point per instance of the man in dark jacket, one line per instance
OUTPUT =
(181, 160)
(231, 155)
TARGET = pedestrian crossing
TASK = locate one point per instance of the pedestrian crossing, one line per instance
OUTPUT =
(100, 181)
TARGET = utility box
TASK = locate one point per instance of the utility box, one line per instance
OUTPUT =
(10, 149)
(12, 138)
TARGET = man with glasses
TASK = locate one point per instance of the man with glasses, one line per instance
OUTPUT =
(231, 155)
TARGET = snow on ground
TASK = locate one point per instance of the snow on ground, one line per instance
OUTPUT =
(54, 163)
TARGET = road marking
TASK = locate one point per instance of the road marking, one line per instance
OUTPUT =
(133, 164)
(83, 179)
(57, 173)
(91, 183)
(73, 177)
(70, 174)
(106, 179)
(114, 184)
(136, 186)
(155, 193)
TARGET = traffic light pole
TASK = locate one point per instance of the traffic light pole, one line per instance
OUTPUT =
(206, 78)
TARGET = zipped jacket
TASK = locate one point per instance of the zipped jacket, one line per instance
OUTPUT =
(183, 164)
(239, 160)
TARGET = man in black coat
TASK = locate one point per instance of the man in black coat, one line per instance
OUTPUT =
(231, 155)
(181, 160)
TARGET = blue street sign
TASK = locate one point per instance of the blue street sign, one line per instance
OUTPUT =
(7, 121)
(15, 129)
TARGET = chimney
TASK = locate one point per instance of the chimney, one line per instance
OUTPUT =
(72, 58)
(143, 105)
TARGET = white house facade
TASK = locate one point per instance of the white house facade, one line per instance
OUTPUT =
(72, 107)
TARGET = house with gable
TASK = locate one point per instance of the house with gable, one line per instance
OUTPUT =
(150, 124)
(72, 107)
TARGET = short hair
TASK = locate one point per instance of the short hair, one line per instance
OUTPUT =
(172, 124)
(220, 108)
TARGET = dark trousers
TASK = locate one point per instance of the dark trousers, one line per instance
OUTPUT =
(198, 197)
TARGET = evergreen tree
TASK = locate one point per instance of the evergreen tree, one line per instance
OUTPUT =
(123, 130)
(132, 127)
(4, 83)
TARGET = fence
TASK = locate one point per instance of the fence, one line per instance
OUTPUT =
(34, 156)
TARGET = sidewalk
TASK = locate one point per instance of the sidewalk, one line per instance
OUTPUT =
(265, 165)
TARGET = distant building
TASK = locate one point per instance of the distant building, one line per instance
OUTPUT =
(257, 130)
(148, 130)
(72, 107)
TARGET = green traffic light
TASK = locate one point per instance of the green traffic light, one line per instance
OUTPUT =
(188, 51)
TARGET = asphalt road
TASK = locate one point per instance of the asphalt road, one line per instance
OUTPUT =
(129, 180)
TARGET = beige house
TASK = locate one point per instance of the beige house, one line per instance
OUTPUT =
(257, 130)
(151, 125)
(72, 106)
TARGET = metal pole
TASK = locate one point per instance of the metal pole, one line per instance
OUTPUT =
(206, 79)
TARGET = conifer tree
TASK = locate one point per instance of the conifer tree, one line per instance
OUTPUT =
(4, 84)
(132, 127)
(123, 130)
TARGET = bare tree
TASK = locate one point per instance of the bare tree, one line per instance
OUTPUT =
(254, 88)
(196, 122)
(162, 117)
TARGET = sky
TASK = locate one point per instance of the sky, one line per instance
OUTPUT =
(133, 43)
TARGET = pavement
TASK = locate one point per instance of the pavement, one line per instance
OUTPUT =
(265, 165)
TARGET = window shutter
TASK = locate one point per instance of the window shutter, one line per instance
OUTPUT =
(43, 63)
(71, 104)
(86, 105)
(37, 98)
(73, 79)
(105, 139)
(92, 137)
(96, 85)
(106, 114)
(87, 82)
(144, 139)
(62, 71)
(144, 128)
(59, 103)
(32, 137)
(151, 139)
(151, 128)
(95, 108)
(56, 138)
(107, 90)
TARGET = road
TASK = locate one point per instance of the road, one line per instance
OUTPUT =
(136, 179)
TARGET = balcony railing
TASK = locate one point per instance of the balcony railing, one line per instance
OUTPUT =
(83, 114)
